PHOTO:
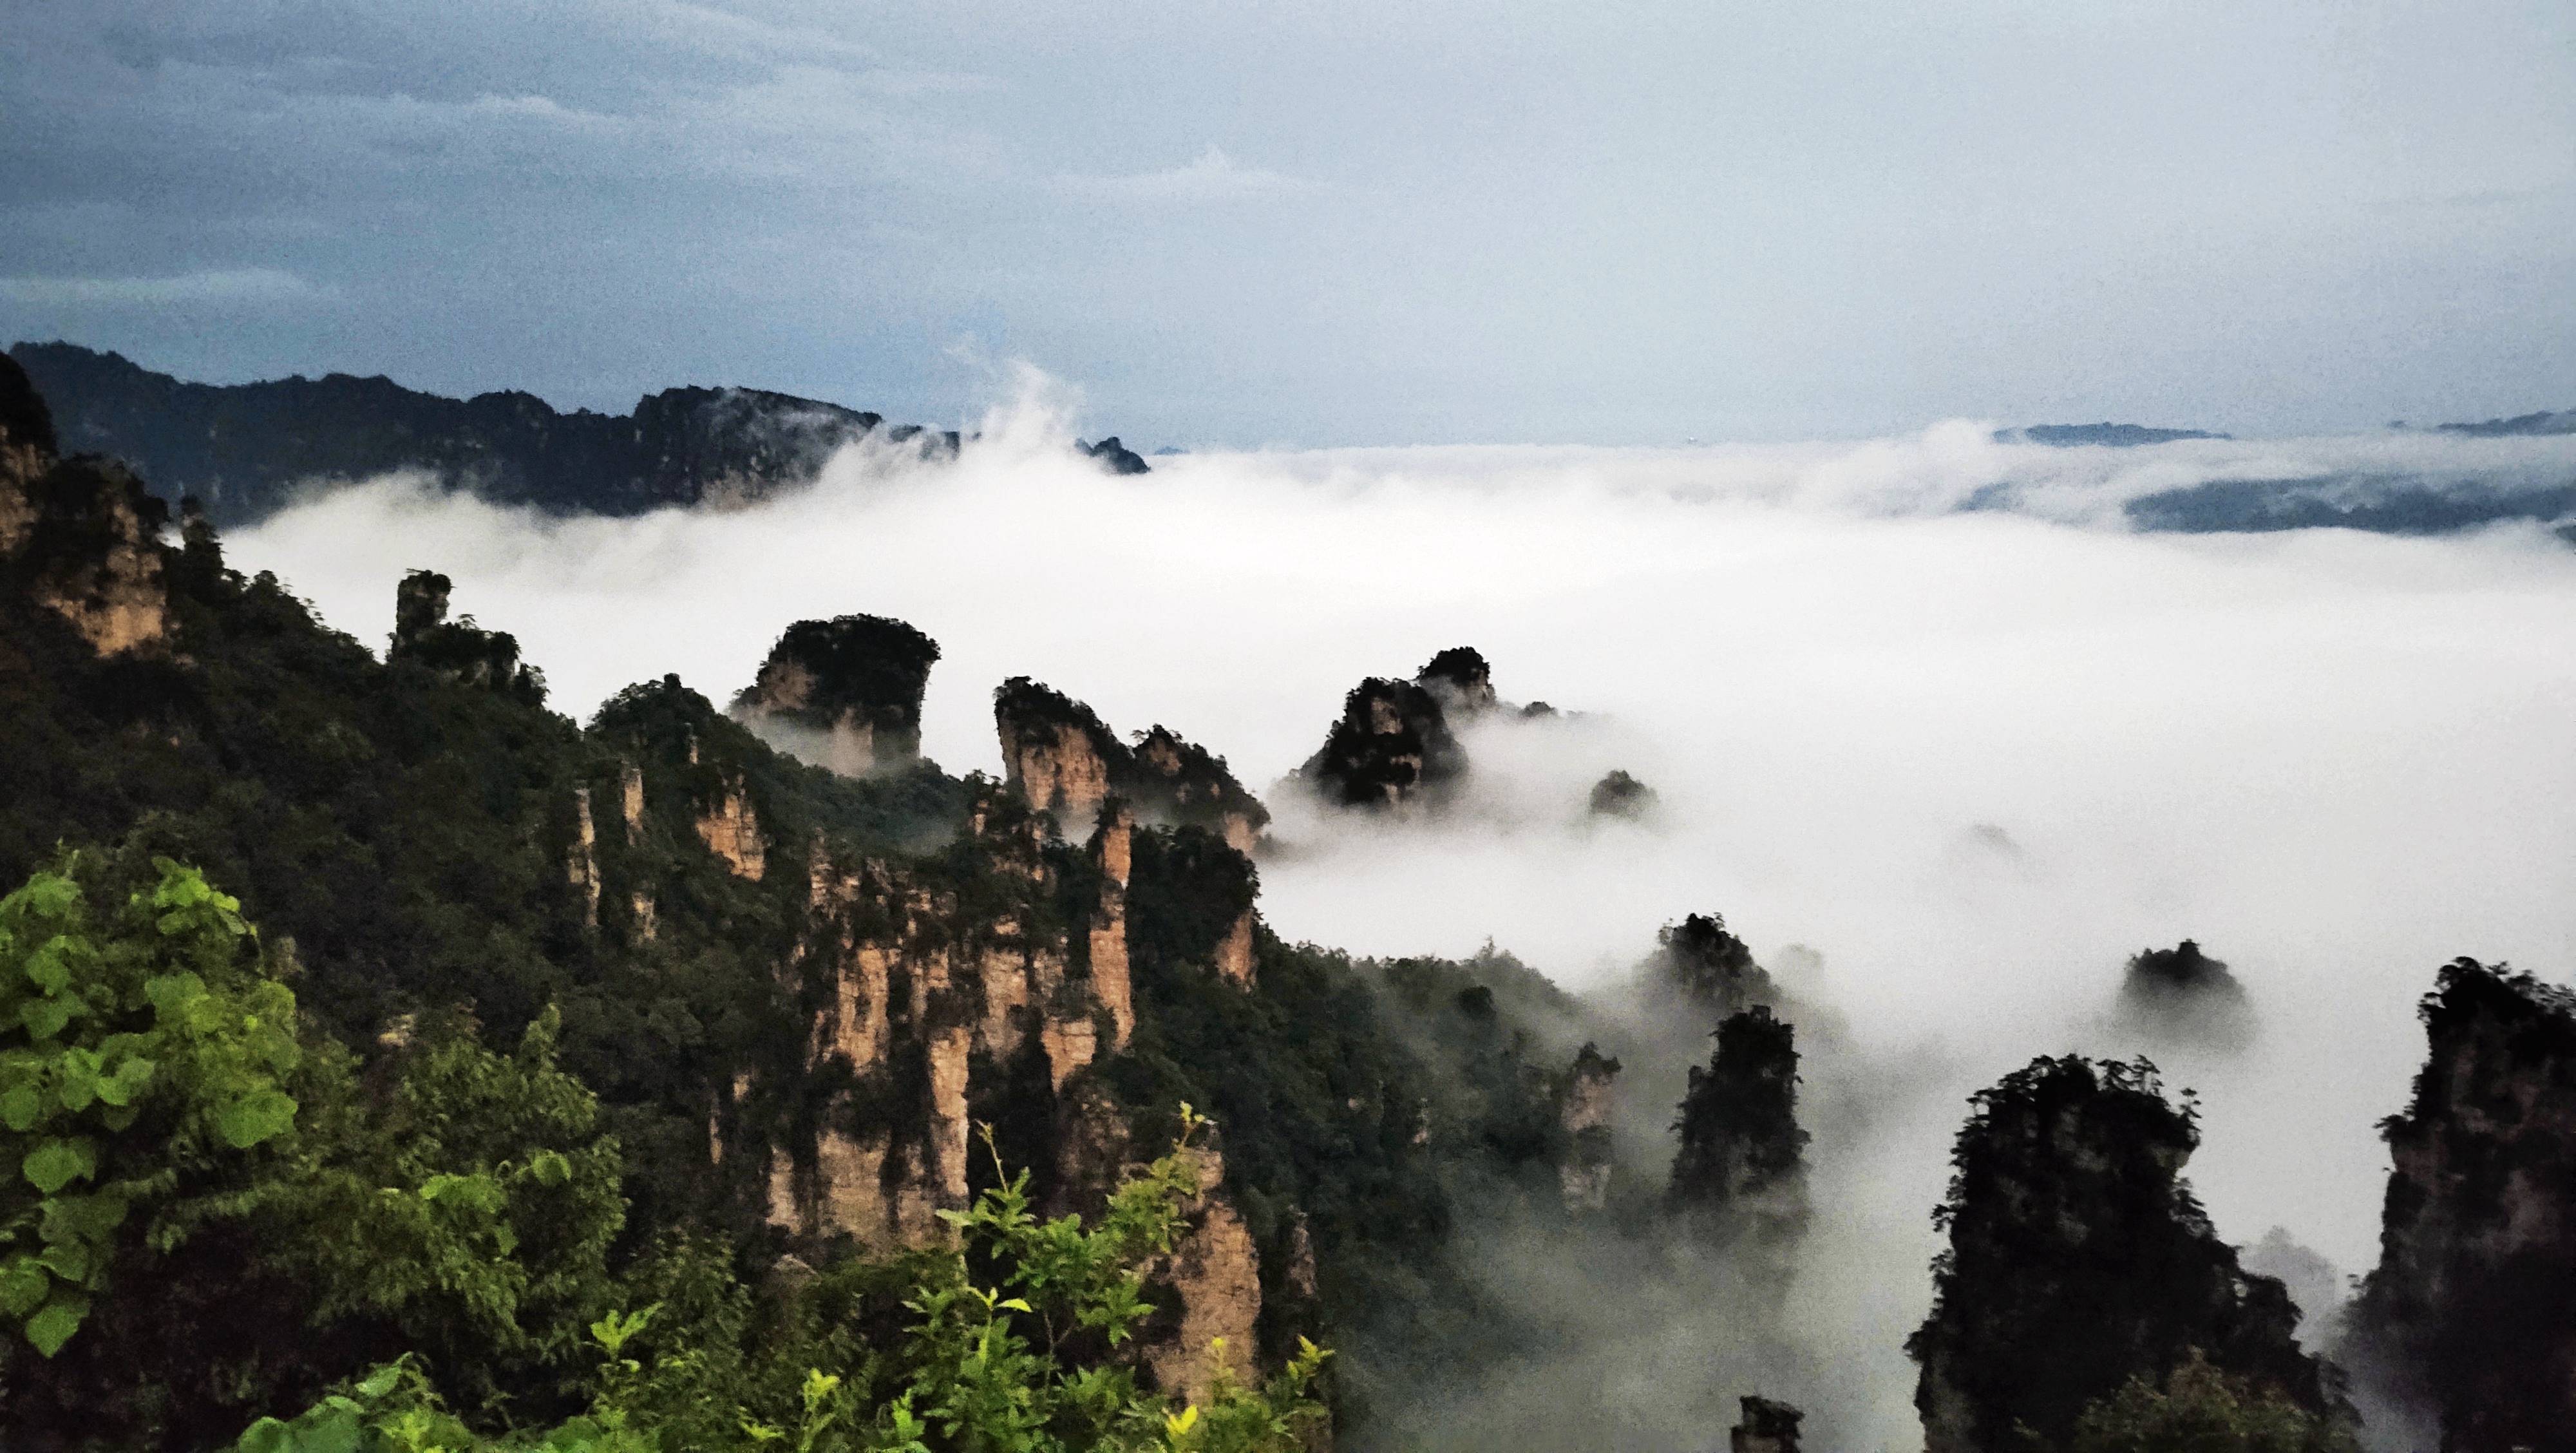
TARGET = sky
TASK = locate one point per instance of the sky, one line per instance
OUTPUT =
(1325, 222)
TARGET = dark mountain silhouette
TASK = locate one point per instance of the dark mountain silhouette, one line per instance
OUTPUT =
(247, 450)
(2117, 436)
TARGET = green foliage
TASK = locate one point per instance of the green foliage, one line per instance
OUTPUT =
(139, 1048)
(472, 1213)
(2201, 1409)
(1011, 1345)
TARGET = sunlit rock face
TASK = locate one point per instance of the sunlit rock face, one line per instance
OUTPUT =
(2477, 1268)
(2078, 1258)
(80, 537)
(1056, 751)
(843, 693)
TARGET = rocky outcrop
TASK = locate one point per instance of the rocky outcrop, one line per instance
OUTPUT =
(731, 832)
(1766, 1427)
(1619, 795)
(1214, 1274)
(930, 981)
(248, 449)
(1706, 970)
(2470, 1301)
(1055, 751)
(79, 537)
(2078, 1258)
(1391, 748)
(1742, 1161)
(2183, 994)
(1113, 456)
(581, 868)
(843, 693)
(459, 650)
(1461, 680)
(1583, 1114)
(1174, 782)
(1113, 853)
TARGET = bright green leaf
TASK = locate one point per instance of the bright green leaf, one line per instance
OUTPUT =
(46, 969)
(257, 1116)
(54, 1325)
(20, 1105)
(23, 1285)
(45, 1018)
(172, 993)
(57, 1163)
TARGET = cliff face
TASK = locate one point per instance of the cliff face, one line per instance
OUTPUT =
(244, 448)
(79, 537)
(1583, 1114)
(1214, 1274)
(2078, 1258)
(1056, 751)
(2477, 1263)
(848, 690)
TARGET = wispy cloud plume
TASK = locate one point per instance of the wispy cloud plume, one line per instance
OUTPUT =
(241, 285)
(1214, 176)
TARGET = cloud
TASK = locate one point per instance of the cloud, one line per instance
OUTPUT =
(1213, 177)
(244, 285)
(2335, 759)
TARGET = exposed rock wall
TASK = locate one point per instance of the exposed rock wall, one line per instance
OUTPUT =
(1583, 1113)
(1214, 1273)
(80, 537)
(1113, 850)
(2477, 1272)
(1056, 751)
(732, 832)
(582, 869)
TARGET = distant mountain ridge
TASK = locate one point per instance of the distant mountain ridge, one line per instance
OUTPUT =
(2116, 436)
(248, 450)
(2519, 426)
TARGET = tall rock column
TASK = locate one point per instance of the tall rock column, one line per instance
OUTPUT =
(2078, 1258)
(2472, 1298)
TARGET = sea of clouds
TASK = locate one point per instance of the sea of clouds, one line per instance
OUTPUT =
(1966, 760)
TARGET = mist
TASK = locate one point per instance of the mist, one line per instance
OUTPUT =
(1945, 768)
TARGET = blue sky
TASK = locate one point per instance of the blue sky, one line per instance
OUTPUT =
(1319, 222)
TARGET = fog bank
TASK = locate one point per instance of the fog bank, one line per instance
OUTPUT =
(1973, 759)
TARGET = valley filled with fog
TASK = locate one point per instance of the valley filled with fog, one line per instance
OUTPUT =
(1945, 769)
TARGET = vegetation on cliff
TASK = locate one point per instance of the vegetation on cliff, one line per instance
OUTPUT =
(2078, 1258)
